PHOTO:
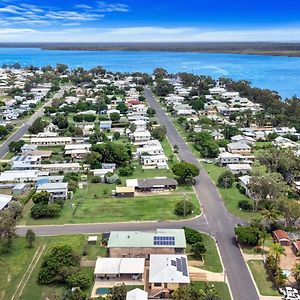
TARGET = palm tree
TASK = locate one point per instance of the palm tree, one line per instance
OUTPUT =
(271, 214)
(263, 236)
(296, 272)
(276, 250)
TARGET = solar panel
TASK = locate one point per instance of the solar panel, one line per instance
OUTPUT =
(173, 263)
(184, 266)
(164, 240)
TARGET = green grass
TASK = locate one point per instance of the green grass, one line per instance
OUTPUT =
(231, 196)
(104, 208)
(13, 265)
(212, 260)
(262, 279)
(221, 288)
(9, 155)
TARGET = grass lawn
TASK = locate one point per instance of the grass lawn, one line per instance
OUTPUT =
(96, 205)
(253, 250)
(231, 196)
(221, 288)
(212, 260)
(35, 291)
(9, 155)
(262, 279)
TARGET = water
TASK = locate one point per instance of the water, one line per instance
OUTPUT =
(273, 72)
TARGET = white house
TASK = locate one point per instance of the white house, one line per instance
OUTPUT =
(137, 294)
(244, 182)
(140, 137)
(51, 141)
(58, 190)
(239, 168)
(226, 158)
(154, 161)
(150, 150)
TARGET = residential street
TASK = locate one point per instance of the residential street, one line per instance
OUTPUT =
(221, 223)
(23, 129)
(215, 218)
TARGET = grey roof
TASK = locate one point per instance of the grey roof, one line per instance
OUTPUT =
(156, 182)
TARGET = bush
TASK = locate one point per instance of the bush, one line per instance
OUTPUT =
(126, 171)
(45, 211)
(184, 208)
(42, 197)
(248, 235)
(245, 205)
(79, 279)
(96, 179)
(111, 178)
(241, 189)
(192, 236)
(226, 180)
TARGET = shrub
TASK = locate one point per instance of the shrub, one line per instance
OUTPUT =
(95, 179)
(45, 211)
(198, 249)
(248, 235)
(192, 236)
(79, 279)
(245, 205)
(241, 189)
(126, 171)
(111, 178)
(184, 208)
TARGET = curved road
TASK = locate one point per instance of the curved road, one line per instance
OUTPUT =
(215, 218)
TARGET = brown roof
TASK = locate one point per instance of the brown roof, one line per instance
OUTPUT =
(280, 235)
(44, 153)
(297, 245)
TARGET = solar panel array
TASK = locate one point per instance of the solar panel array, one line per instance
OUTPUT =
(181, 265)
(164, 241)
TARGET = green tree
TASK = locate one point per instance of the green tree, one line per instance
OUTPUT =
(198, 249)
(206, 145)
(276, 250)
(192, 236)
(80, 279)
(94, 160)
(16, 146)
(7, 227)
(159, 132)
(42, 197)
(186, 172)
(118, 292)
(186, 293)
(30, 237)
(37, 126)
(151, 112)
(270, 214)
(60, 260)
(289, 209)
(184, 208)
(115, 117)
(122, 107)
(3, 131)
(226, 180)
(263, 236)
(248, 235)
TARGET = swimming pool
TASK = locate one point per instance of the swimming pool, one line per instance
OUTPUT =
(286, 272)
(102, 291)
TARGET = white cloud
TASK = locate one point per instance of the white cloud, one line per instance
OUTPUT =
(114, 7)
(145, 34)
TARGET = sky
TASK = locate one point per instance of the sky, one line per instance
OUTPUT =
(149, 21)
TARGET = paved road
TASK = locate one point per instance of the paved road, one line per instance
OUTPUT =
(215, 218)
(220, 222)
(23, 129)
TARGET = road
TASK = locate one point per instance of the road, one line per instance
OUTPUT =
(215, 218)
(221, 223)
(16, 136)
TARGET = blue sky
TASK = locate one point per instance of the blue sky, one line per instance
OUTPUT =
(140, 20)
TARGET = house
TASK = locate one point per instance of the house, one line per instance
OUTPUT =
(244, 182)
(140, 137)
(51, 141)
(243, 139)
(58, 191)
(118, 267)
(225, 158)
(20, 189)
(77, 151)
(144, 243)
(167, 272)
(283, 142)
(296, 248)
(239, 148)
(28, 148)
(239, 168)
(137, 294)
(154, 184)
(17, 176)
(59, 167)
(5, 200)
(125, 192)
(154, 161)
(111, 166)
(150, 150)
(105, 125)
(281, 237)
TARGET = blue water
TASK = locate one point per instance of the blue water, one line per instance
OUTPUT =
(277, 73)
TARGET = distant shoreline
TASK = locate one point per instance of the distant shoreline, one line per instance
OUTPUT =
(250, 48)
